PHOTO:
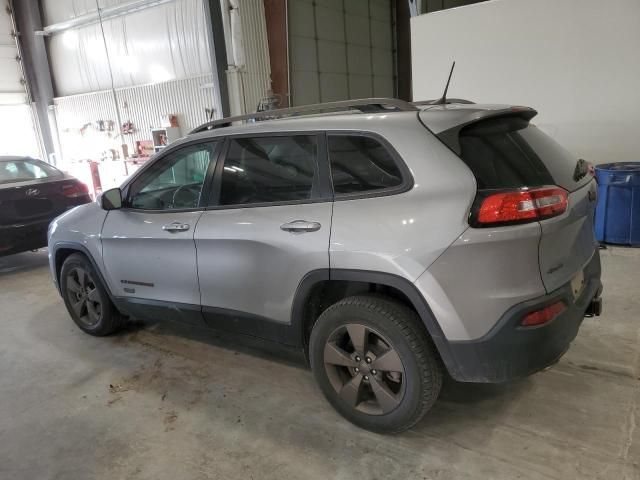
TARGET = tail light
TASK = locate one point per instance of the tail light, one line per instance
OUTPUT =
(74, 190)
(518, 206)
(544, 315)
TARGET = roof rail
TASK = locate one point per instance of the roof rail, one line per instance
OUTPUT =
(365, 105)
(449, 100)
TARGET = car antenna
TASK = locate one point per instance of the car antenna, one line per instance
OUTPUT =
(443, 99)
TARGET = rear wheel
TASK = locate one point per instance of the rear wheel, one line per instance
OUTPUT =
(375, 364)
(86, 298)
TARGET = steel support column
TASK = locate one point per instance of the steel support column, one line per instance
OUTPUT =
(218, 51)
(35, 63)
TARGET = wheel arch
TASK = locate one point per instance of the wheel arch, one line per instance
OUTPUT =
(321, 288)
(62, 250)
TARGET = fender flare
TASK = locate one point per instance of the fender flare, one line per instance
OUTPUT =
(80, 249)
(388, 279)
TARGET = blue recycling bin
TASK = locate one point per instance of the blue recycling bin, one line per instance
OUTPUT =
(618, 208)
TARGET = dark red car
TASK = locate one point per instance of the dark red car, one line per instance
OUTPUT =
(32, 193)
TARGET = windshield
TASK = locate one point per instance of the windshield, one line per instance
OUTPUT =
(25, 169)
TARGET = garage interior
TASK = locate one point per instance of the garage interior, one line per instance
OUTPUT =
(97, 87)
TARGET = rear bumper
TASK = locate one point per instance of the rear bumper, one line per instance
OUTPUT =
(30, 235)
(22, 237)
(510, 351)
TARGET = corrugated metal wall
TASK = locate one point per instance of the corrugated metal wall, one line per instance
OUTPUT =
(157, 44)
(249, 83)
(143, 105)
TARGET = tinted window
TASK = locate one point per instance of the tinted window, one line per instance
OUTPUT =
(25, 170)
(361, 164)
(559, 161)
(268, 169)
(174, 181)
(500, 157)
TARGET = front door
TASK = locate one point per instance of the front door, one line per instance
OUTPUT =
(148, 246)
(268, 228)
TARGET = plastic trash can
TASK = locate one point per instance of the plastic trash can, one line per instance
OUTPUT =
(618, 208)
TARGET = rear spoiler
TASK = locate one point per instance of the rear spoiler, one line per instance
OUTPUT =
(464, 119)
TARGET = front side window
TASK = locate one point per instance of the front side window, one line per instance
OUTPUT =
(175, 181)
(361, 164)
(269, 169)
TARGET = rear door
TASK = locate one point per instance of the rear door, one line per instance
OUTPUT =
(268, 227)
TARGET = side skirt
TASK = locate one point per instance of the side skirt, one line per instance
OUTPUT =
(252, 325)
(217, 318)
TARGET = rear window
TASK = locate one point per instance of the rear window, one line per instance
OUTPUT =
(510, 153)
(561, 163)
(13, 171)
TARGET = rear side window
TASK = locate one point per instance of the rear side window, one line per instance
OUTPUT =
(500, 157)
(269, 169)
(361, 164)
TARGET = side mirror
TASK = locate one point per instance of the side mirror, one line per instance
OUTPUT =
(111, 199)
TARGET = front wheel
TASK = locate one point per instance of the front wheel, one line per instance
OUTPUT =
(86, 298)
(375, 363)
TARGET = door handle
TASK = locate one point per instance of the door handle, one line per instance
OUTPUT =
(176, 227)
(300, 226)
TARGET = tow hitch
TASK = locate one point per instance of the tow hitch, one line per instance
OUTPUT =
(595, 308)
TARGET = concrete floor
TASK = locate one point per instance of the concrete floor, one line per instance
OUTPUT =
(161, 402)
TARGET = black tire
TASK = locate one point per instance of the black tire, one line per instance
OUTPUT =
(387, 401)
(87, 299)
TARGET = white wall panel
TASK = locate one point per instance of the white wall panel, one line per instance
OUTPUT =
(575, 61)
(347, 45)
(17, 134)
(160, 43)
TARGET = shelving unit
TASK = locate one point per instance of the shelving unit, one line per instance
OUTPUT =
(164, 136)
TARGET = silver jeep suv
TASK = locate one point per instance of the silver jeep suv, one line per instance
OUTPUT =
(390, 242)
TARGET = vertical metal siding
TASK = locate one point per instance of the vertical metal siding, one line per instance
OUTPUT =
(145, 105)
(256, 76)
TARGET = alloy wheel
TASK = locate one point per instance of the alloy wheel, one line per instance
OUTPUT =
(364, 369)
(84, 297)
